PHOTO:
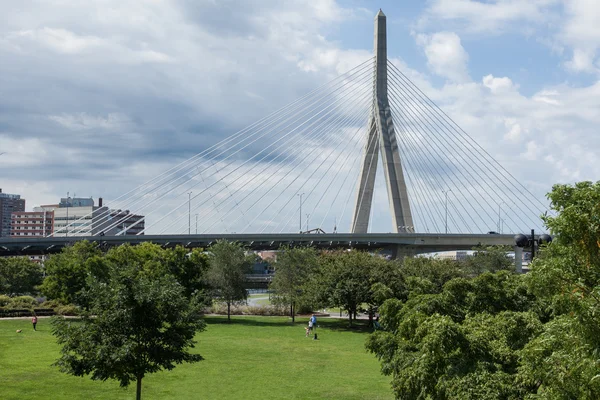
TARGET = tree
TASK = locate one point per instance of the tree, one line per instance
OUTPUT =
(461, 343)
(343, 280)
(19, 276)
(69, 272)
(188, 267)
(228, 267)
(488, 259)
(292, 270)
(138, 323)
(563, 361)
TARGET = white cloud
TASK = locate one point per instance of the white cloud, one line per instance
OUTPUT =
(445, 55)
(494, 16)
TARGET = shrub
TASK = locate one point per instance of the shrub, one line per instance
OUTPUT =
(242, 309)
(25, 302)
(68, 309)
(4, 300)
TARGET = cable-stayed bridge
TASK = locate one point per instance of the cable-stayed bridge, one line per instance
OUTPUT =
(313, 165)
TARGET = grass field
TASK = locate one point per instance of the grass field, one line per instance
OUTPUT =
(249, 358)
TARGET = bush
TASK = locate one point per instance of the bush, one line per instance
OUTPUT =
(69, 309)
(25, 302)
(242, 309)
(4, 300)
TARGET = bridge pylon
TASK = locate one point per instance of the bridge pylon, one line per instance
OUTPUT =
(381, 138)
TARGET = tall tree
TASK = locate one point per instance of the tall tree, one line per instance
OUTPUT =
(292, 269)
(69, 272)
(343, 280)
(227, 272)
(138, 323)
(563, 361)
(19, 275)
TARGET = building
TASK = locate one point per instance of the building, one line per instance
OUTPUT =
(81, 217)
(9, 203)
(32, 223)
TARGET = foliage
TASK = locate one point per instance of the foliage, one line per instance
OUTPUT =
(344, 280)
(26, 302)
(228, 266)
(488, 259)
(461, 343)
(19, 275)
(69, 273)
(137, 324)
(4, 300)
(292, 270)
(563, 361)
(189, 268)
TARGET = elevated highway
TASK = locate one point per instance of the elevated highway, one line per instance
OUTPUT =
(398, 243)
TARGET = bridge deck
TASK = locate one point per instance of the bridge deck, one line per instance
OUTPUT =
(414, 242)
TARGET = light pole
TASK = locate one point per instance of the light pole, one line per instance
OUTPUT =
(446, 194)
(196, 224)
(307, 217)
(67, 225)
(499, 219)
(189, 213)
(300, 214)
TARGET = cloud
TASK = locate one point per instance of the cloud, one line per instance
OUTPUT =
(445, 55)
(494, 16)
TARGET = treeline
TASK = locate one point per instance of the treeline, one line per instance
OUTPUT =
(502, 335)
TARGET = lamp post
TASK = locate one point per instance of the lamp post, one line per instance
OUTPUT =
(67, 225)
(300, 214)
(446, 207)
(307, 217)
(196, 224)
(499, 219)
(189, 213)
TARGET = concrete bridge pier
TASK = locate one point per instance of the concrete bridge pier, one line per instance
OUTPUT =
(400, 252)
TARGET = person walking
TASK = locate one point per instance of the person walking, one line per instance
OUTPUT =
(313, 320)
(34, 322)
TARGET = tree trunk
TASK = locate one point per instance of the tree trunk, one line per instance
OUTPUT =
(355, 314)
(370, 316)
(138, 393)
(350, 316)
(228, 311)
(292, 312)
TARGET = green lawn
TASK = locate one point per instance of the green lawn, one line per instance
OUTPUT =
(249, 358)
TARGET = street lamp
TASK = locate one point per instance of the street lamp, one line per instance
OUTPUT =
(189, 213)
(67, 225)
(499, 219)
(196, 224)
(300, 214)
(307, 217)
(446, 194)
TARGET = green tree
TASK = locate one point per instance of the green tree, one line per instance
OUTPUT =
(344, 280)
(69, 272)
(188, 267)
(292, 270)
(138, 323)
(228, 266)
(563, 361)
(19, 276)
(488, 259)
(461, 343)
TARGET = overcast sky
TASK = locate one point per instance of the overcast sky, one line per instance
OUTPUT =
(98, 96)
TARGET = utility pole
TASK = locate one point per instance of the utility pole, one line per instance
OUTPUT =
(300, 214)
